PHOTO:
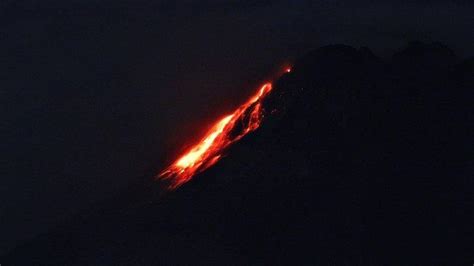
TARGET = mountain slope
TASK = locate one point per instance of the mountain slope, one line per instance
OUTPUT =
(360, 161)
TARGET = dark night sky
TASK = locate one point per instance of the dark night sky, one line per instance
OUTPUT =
(95, 94)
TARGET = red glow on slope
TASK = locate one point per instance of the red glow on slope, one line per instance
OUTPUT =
(209, 149)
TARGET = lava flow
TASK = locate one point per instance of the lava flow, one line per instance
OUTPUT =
(223, 133)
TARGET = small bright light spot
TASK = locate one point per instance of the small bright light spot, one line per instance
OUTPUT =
(288, 70)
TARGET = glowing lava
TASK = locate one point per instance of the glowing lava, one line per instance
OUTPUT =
(224, 132)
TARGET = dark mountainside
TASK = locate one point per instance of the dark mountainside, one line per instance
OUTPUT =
(360, 161)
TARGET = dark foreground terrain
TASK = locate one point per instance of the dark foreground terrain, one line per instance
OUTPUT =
(360, 161)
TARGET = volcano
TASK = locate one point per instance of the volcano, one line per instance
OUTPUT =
(359, 161)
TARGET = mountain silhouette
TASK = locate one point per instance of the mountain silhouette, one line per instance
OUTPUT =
(359, 161)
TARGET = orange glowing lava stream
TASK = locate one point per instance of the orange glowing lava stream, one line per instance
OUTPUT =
(209, 149)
